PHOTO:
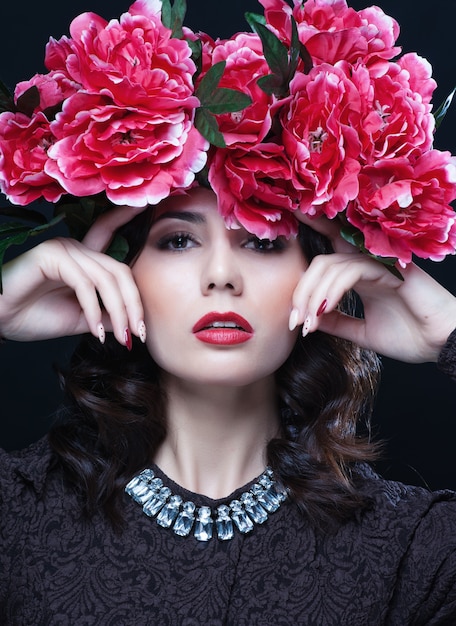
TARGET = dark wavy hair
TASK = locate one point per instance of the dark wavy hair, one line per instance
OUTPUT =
(114, 418)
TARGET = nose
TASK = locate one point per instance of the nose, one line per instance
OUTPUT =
(221, 270)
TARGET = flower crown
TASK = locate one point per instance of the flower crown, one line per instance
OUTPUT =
(314, 111)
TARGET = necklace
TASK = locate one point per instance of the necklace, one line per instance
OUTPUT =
(170, 511)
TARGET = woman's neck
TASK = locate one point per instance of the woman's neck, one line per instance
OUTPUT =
(217, 437)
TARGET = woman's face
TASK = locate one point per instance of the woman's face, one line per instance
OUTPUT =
(217, 301)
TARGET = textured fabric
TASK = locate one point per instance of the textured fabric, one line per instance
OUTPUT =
(394, 565)
(447, 358)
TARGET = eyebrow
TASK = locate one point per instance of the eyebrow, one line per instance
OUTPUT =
(186, 216)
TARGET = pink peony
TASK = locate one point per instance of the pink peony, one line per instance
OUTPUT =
(135, 157)
(333, 31)
(134, 60)
(24, 143)
(245, 64)
(320, 137)
(53, 89)
(400, 122)
(255, 190)
(403, 209)
(129, 129)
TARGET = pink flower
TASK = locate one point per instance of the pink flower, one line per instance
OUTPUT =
(24, 143)
(320, 137)
(332, 31)
(129, 129)
(135, 157)
(53, 89)
(134, 61)
(245, 64)
(403, 209)
(255, 190)
(400, 122)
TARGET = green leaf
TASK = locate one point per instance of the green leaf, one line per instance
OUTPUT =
(271, 84)
(207, 125)
(197, 54)
(10, 228)
(28, 101)
(356, 238)
(21, 213)
(275, 52)
(173, 16)
(306, 58)
(166, 16)
(295, 49)
(118, 249)
(18, 234)
(6, 99)
(228, 101)
(443, 109)
(210, 82)
(253, 19)
(178, 17)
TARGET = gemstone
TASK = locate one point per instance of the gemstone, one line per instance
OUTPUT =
(153, 505)
(203, 524)
(224, 523)
(184, 521)
(240, 517)
(169, 512)
(254, 508)
(266, 497)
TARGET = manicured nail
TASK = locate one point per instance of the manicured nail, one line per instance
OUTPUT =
(322, 307)
(142, 331)
(101, 333)
(293, 321)
(127, 339)
(306, 326)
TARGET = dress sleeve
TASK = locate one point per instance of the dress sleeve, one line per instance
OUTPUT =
(447, 358)
(22, 481)
(426, 589)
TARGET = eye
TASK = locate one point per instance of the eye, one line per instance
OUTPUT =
(264, 245)
(177, 241)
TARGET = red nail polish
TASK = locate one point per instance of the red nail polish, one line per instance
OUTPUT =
(322, 307)
(127, 338)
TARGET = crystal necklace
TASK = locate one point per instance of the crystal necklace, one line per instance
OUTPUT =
(170, 511)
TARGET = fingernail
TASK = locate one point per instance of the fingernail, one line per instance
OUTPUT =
(101, 333)
(293, 321)
(306, 326)
(322, 307)
(142, 331)
(127, 339)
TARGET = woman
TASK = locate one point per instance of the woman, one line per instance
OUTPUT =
(344, 546)
(207, 467)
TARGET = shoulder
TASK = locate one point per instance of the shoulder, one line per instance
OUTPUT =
(26, 468)
(416, 529)
(396, 505)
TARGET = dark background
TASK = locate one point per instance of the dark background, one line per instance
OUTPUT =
(414, 412)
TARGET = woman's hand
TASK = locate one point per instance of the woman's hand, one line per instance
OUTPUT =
(53, 290)
(407, 320)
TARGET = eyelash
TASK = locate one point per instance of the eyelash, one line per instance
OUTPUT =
(277, 245)
(165, 242)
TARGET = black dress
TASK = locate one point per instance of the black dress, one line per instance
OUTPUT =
(395, 564)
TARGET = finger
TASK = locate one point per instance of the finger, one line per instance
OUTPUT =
(324, 284)
(101, 233)
(117, 289)
(344, 326)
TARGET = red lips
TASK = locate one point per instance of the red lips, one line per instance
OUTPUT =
(223, 328)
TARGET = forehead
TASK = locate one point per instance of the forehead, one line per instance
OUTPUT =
(198, 200)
